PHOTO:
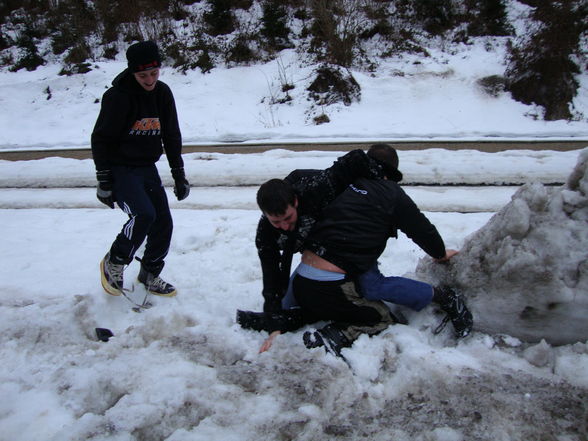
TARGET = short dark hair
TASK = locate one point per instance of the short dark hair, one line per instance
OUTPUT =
(274, 197)
(386, 156)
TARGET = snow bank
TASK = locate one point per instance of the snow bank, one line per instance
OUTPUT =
(525, 273)
(430, 167)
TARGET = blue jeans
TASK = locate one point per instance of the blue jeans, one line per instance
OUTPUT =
(398, 290)
(375, 286)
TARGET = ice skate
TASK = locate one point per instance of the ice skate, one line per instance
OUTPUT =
(155, 284)
(111, 276)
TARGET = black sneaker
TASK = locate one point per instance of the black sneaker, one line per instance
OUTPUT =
(331, 338)
(454, 305)
(155, 284)
(111, 276)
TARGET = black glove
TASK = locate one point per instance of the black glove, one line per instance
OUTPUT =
(181, 185)
(104, 190)
(286, 320)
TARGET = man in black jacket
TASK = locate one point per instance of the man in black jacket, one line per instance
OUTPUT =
(348, 242)
(137, 122)
(290, 209)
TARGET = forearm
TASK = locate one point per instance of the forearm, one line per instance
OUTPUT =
(171, 134)
(272, 275)
(173, 152)
(419, 229)
(270, 257)
(352, 166)
(431, 243)
(111, 125)
(448, 255)
(100, 152)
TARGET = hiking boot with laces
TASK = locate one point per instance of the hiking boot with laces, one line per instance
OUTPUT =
(155, 284)
(331, 338)
(454, 305)
(111, 276)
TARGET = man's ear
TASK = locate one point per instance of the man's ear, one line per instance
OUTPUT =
(295, 201)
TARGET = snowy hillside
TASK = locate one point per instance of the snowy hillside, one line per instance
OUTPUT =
(436, 98)
(442, 88)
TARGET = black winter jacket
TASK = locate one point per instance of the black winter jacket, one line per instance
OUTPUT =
(134, 125)
(315, 189)
(357, 225)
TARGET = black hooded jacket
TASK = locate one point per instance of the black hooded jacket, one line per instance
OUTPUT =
(357, 225)
(315, 189)
(134, 125)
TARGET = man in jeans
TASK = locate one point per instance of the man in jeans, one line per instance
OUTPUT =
(345, 246)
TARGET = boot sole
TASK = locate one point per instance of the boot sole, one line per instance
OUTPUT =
(109, 289)
(171, 294)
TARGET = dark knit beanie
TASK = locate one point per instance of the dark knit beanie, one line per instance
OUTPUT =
(386, 156)
(143, 56)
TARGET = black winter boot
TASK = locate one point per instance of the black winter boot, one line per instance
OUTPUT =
(331, 338)
(454, 305)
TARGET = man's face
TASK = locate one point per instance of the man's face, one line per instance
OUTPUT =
(147, 79)
(287, 220)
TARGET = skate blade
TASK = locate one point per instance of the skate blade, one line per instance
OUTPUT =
(140, 308)
(137, 307)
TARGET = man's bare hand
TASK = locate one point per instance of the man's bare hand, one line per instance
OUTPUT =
(448, 255)
(269, 341)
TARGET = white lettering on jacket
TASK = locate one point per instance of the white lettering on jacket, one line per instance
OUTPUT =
(357, 190)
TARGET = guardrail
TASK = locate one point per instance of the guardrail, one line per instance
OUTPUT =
(481, 145)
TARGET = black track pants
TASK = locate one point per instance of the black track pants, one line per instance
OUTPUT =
(340, 302)
(140, 194)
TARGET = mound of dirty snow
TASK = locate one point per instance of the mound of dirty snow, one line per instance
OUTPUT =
(525, 273)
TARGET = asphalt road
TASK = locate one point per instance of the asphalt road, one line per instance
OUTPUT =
(484, 146)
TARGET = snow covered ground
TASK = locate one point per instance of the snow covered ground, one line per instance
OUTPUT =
(184, 371)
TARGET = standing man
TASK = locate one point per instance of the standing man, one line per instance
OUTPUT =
(137, 123)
